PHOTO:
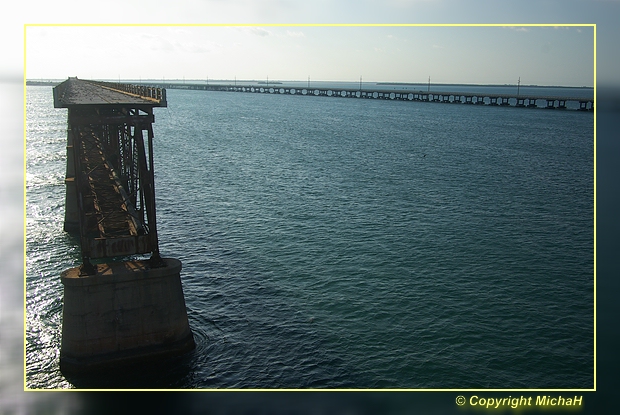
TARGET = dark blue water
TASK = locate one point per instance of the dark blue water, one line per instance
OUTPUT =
(333, 243)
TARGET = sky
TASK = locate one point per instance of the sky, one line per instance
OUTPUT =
(447, 55)
(551, 55)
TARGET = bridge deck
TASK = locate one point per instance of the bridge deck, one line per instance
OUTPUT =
(75, 92)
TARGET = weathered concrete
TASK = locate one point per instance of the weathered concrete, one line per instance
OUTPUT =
(126, 312)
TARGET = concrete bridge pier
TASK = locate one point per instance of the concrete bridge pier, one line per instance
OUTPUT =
(125, 312)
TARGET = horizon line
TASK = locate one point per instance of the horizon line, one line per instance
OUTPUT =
(183, 80)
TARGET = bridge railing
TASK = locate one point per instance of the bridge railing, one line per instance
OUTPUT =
(143, 91)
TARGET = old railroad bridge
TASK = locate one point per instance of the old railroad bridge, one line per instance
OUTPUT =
(116, 308)
(505, 100)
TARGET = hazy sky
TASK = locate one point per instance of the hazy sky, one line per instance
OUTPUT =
(408, 54)
(448, 54)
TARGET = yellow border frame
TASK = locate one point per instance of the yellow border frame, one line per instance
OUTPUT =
(526, 391)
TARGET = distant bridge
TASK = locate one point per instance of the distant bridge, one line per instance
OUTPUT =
(505, 100)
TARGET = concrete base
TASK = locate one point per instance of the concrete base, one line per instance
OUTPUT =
(126, 312)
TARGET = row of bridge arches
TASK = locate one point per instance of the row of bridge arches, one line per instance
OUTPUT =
(456, 98)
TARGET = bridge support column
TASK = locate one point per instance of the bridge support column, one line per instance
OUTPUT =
(583, 105)
(125, 312)
(72, 218)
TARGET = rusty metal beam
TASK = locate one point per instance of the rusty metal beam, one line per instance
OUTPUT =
(114, 119)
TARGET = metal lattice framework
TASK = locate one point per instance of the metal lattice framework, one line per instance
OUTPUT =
(110, 165)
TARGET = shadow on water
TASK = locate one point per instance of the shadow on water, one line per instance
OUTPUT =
(168, 373)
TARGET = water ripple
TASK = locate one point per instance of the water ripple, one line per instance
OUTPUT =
(351, 243)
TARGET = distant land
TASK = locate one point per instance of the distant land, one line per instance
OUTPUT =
(43, 83)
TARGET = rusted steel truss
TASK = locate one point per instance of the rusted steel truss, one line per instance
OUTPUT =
(113, 156)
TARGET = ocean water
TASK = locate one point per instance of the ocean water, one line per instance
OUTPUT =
(347, 243)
